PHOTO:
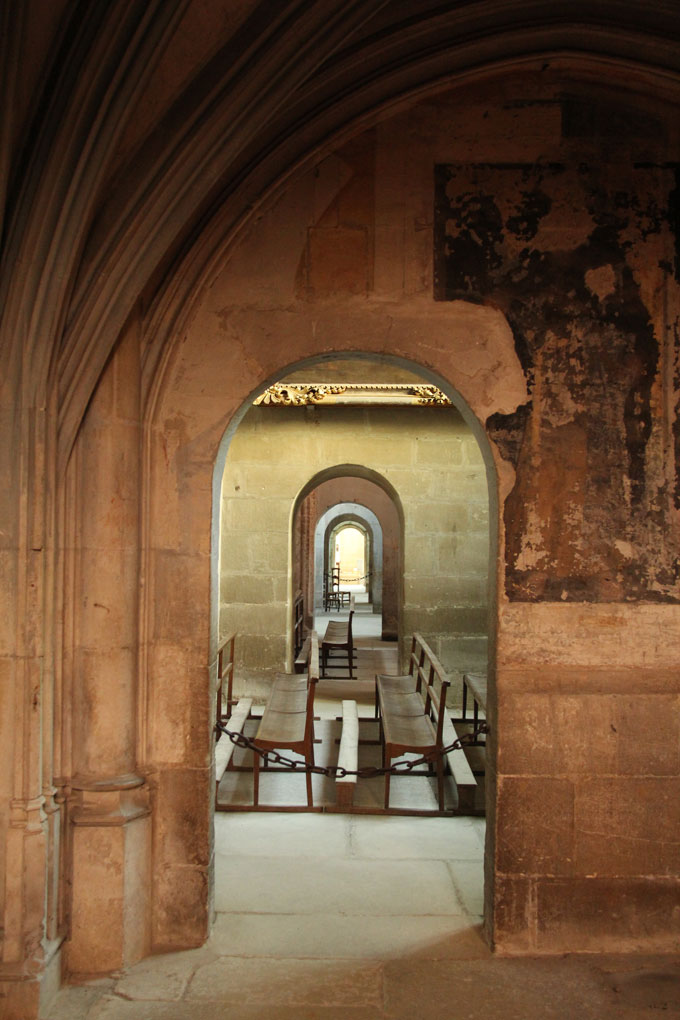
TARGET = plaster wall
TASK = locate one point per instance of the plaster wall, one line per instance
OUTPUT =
(433, 462)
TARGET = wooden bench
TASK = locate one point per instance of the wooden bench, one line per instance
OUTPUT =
(413, 717)
(231, 714)
(410, 681)
(338, 637)
(287, 722)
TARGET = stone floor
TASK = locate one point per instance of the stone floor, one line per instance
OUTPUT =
(337, 917)
(351, 917)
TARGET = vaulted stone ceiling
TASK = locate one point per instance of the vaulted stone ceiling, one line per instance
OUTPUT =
(140, 137)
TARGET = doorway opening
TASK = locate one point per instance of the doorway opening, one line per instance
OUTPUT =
(349, 548)
(407, 527)
(395, 495)
(407, 521)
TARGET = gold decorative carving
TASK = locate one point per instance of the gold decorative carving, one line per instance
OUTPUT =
(431, 396)
(301, 394)
(297, 395)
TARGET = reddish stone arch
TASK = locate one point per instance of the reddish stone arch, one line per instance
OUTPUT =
(357, 484)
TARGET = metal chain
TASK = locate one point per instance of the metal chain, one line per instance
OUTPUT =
(338, 771)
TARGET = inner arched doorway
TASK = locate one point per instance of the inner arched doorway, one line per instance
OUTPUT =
(425, 538)
(323, 509)
(433, 571)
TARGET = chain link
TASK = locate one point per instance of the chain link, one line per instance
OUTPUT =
(338, 771)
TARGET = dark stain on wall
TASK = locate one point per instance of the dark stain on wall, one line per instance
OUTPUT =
(567, 253)
(507, 431)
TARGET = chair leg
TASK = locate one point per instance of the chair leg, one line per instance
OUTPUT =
(308, 753)
(310, 798)
(386, 761)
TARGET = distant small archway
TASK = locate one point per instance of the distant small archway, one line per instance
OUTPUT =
(346, 514)
(350, 545)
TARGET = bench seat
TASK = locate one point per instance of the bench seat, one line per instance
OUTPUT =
(411, 681)
(282, 728)
(396, 703)
(411, 731)
(287, 723)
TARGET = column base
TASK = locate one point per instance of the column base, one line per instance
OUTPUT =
(111, 859)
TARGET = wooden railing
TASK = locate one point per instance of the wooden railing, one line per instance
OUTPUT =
(225, 678)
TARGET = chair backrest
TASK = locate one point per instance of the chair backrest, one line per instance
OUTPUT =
(431, 680)
(419, 651)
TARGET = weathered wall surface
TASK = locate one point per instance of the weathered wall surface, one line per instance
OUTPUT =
(433, 462)
(582, 259)
(555, 348)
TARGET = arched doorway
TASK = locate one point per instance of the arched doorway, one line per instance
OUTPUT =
(350, 546)
(378, 512)
(161, 731)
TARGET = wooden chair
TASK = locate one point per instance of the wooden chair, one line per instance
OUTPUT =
(338, 637)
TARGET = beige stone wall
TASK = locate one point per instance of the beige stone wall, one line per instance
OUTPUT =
(433, 462)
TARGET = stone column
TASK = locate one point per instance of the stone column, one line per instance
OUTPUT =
(109, 811)
(22, 819)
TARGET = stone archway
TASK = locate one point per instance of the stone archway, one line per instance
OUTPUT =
(375, 505)
(188, 454)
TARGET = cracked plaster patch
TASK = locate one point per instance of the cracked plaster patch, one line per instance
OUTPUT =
(601, 281)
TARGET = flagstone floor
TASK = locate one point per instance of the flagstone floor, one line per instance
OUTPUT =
(326, 916)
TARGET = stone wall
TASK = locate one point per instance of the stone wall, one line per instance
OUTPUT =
(428, 455)
(178, 231)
